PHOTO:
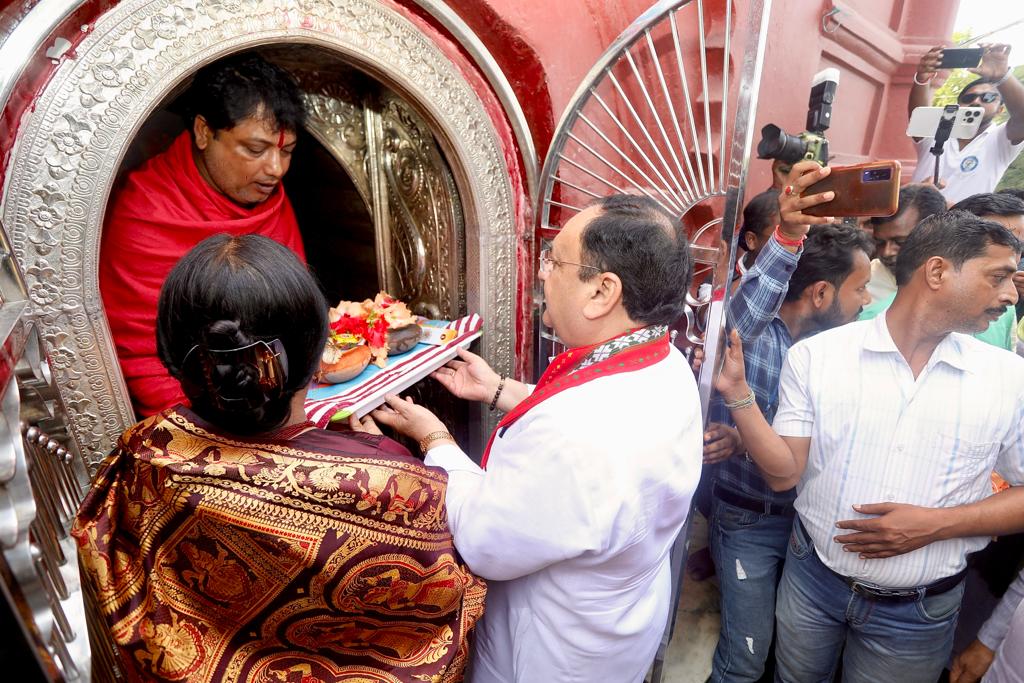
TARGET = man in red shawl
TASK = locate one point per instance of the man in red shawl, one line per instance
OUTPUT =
(221, 175)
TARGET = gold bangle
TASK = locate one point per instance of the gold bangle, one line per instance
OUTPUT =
(432, 437)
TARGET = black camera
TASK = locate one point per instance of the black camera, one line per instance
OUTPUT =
(811, 144)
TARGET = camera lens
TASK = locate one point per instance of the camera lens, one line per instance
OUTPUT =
(876, 174)
(777, 144)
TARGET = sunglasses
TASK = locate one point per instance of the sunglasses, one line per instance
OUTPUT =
(986, 97)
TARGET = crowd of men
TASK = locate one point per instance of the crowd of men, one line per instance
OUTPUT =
(870, 391)
(871, 395)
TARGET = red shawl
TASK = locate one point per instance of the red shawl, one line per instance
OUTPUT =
(164, 209)
(309, 557)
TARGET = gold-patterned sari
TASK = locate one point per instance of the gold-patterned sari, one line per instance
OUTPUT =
(302, 556)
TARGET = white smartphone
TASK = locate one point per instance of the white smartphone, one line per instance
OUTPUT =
(924, 121)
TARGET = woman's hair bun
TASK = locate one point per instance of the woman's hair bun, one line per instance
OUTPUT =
(243, 379)
(242, 323)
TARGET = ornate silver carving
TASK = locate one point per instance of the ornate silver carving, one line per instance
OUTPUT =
(426, 225)
(102, 98)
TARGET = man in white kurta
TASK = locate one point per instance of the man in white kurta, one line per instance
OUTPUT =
(572, 523)
(588, 479)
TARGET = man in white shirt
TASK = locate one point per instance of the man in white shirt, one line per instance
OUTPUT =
(588, 479)
(972, 166)
(898, 421)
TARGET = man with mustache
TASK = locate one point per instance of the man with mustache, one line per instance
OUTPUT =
(881, 428)
(1008, 211)
(223, 174)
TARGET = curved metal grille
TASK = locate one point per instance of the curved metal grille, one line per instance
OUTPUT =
(667, 113)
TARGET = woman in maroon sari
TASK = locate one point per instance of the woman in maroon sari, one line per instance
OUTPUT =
(234, 541)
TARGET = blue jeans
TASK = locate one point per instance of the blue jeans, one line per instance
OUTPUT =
(748, 549)
(817, 614)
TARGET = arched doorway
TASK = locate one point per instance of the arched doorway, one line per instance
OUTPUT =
(375, 197)
(143, 51)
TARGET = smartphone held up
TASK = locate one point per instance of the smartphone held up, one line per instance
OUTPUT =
(961, 57)
(861, 190)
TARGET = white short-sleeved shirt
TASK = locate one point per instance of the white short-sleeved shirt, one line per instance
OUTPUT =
(878, 435)
(975, 168)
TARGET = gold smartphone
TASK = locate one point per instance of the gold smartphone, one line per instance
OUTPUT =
(871, 189)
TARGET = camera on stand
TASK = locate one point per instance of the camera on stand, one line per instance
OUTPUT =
(810, 144)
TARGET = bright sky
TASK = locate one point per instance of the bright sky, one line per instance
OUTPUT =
(982, 16)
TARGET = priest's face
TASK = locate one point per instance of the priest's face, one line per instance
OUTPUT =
(245, 163)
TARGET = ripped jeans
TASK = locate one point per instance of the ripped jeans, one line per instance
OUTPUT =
(749, 550)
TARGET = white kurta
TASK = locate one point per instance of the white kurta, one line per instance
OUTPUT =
(572, 524)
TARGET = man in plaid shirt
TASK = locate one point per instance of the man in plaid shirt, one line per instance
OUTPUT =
(795, 288)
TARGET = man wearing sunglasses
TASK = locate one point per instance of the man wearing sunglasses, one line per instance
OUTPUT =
(973, 166)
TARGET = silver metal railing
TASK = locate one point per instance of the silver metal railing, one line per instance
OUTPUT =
(666, 112)
(41, 486)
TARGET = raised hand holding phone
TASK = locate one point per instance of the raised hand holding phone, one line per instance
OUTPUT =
(870, 189)
(928, 67)
(994, 61)
(792, 201)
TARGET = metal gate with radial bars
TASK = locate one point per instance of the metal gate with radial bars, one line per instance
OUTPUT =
(662, 114)
(667, 112)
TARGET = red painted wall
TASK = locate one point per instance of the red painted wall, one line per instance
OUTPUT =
(547, 48)
(876, 46)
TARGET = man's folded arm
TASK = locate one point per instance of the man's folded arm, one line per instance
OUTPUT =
(996, 515)
(530, 509)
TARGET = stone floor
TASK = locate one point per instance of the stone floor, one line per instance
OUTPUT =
(689, 654)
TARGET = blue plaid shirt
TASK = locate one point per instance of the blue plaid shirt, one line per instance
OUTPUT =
(753, 311)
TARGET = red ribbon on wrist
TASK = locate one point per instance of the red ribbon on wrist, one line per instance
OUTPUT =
(785, 241)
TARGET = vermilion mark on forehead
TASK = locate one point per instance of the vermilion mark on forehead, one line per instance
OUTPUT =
(280, 139)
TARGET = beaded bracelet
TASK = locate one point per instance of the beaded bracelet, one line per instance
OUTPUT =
(501, 385)
(741, 403)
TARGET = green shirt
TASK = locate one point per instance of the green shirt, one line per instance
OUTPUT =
(1001, 332)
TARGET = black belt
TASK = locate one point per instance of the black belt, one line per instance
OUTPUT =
(883, 594)
(752, 504)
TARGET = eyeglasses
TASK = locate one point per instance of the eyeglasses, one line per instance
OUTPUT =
(986, 97)
(547, 264)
